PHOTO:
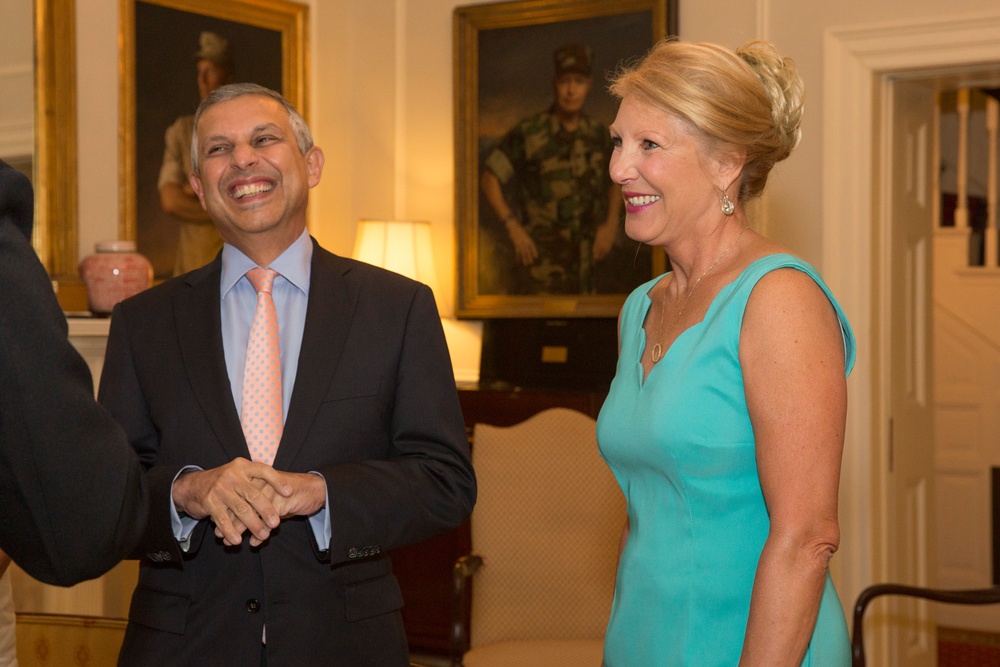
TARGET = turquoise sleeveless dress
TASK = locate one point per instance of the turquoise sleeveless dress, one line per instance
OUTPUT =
(682, 449)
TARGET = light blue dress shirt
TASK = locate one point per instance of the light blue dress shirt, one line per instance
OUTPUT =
(239, 301)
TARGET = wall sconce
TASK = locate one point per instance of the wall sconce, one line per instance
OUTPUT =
(403, 246)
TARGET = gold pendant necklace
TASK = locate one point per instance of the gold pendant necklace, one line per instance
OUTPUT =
(657, 352)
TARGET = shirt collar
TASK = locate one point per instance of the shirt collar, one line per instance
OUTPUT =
(293, 264)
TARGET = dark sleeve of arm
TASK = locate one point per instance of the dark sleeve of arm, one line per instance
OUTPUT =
(427, 486)
(72, 491)
(122, 395)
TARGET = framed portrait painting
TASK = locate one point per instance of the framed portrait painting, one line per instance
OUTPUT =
(173, 52)
(540, 224)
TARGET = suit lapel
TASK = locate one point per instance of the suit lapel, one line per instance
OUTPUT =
(199, 330)
(331, 303)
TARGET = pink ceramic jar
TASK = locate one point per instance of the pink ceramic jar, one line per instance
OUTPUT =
(113, 273)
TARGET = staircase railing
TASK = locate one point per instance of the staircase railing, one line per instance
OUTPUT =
(977, 228)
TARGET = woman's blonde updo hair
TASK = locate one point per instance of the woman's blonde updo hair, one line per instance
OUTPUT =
(750, 101)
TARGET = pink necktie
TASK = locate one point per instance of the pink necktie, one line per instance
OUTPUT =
(261, 416)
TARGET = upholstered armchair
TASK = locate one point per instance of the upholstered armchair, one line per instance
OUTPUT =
(545, 535)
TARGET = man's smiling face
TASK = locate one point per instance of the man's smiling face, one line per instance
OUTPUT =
(253, 180)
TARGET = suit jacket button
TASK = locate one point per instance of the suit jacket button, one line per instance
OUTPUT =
(253, 606)
(352, 553)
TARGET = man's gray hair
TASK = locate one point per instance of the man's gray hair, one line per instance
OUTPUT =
(303, 137)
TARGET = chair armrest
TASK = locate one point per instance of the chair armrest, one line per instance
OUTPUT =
(464, 568)
(969, 596)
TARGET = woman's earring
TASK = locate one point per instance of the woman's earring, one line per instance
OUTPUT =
(727, 204)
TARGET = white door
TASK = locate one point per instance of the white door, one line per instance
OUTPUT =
(909, 470)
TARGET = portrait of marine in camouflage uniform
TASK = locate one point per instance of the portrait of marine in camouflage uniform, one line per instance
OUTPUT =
(547, 181)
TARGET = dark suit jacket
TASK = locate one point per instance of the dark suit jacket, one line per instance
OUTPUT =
(374, 410)
(72, 499)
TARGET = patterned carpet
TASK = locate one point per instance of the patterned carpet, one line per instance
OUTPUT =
(965, 648)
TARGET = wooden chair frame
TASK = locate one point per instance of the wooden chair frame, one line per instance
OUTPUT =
(977, 596)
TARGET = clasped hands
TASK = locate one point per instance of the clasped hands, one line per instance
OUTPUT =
(244, 495)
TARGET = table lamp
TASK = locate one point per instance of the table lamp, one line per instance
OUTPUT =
(403, 246)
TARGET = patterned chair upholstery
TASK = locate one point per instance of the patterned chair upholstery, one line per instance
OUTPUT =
(545, 534)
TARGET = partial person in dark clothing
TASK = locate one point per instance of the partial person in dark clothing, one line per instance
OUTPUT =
(72, 490)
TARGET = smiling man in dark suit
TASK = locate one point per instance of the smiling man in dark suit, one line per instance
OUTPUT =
(372, 454)
(72, 498)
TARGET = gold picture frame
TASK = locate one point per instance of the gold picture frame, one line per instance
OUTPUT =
(503, 70)
(158, 39)
(55, 178)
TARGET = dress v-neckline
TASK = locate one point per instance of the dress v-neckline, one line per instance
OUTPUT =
(643, 375)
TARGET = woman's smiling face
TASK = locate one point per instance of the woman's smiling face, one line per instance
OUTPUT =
(663, 172)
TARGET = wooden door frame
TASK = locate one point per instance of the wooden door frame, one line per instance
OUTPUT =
(857, 61)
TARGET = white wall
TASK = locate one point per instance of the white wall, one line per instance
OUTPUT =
(383, 113)
(97, 121)
(16, 81)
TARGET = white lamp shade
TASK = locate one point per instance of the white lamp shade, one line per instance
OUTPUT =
(403, 246)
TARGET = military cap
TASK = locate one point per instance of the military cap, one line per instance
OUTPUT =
(213, 48)
(573, 58)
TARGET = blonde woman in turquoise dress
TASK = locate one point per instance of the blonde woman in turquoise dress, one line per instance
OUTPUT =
(724, 424)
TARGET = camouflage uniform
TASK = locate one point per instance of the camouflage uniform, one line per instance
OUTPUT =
(562, 184)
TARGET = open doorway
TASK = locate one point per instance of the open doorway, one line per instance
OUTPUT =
(861, 66)
(942, 352)
(966, 330)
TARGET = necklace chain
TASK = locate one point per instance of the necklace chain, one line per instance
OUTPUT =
(657, 352)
